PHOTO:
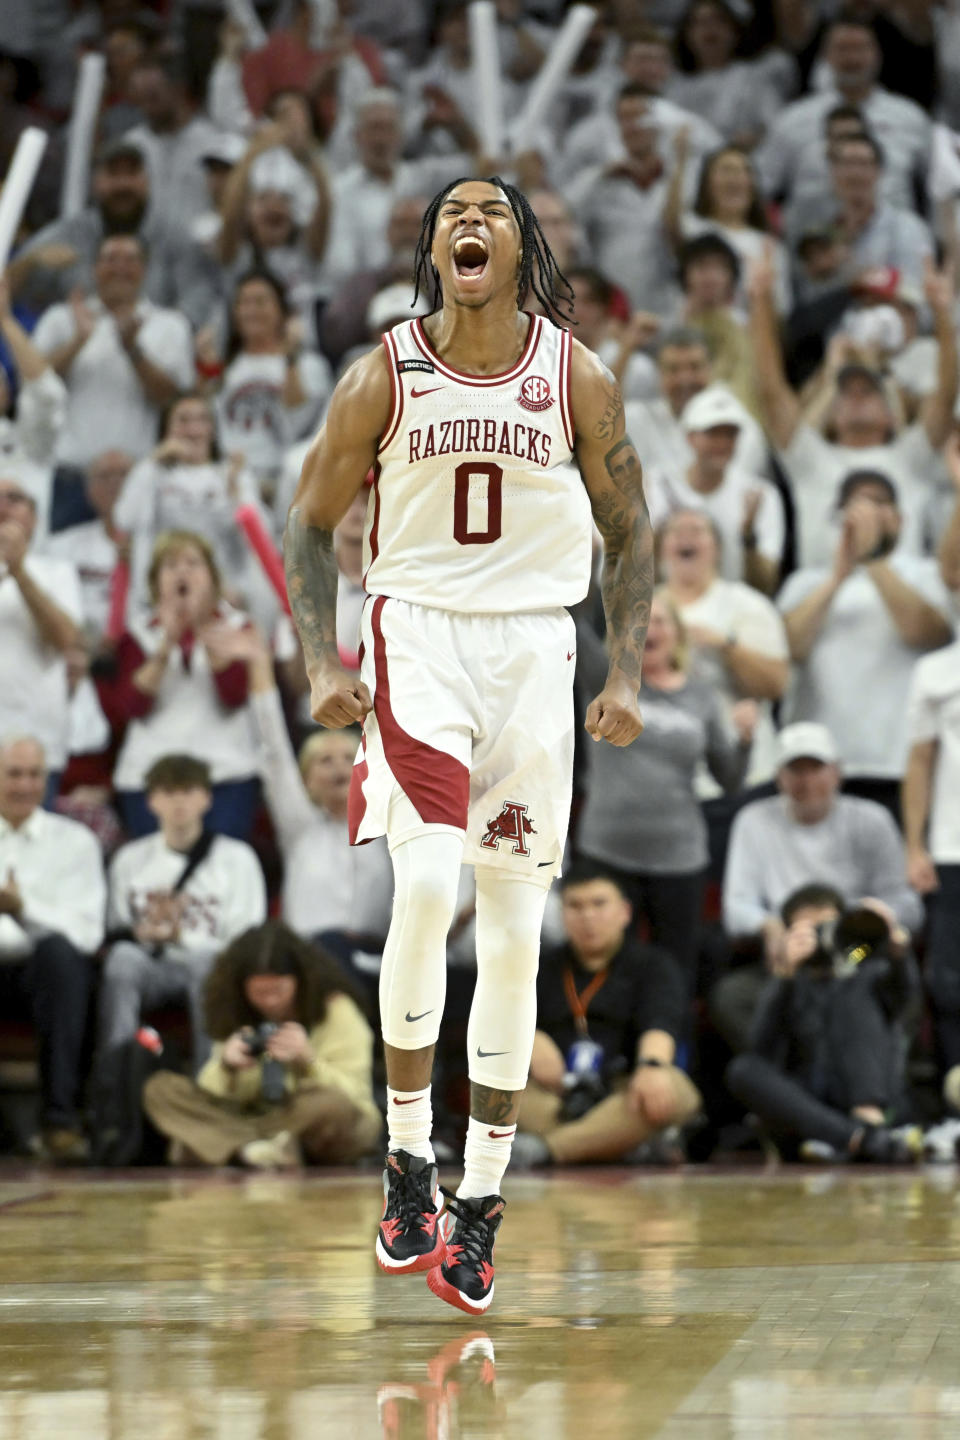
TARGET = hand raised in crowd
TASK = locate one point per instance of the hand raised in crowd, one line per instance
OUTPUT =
(290, 1045)
(11, 901)
(175, 617)
(651, 1094)
(83, 317)
(205, 348)
(13, 544)
(938, 288)
(745, 715)
(172, 451)
(859, 538)
(951, 454)
(761, 276)
(921, 871)
(751, 509)
(128, 329)
(232, 37)
(641, 330)
(294, 335)
(224, 644)
(235, 1055)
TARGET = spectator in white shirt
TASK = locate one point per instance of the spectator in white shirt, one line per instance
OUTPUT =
(808, 834)
(808, 831)
(185, 484)
(684, 369)
(736, 636)
(860, 427)
(96, 547)
(176, 899)
(41, 611)
(52, 900)
(857, 629)
(122, 357)
(931, 822)
(622, 206)
(273, 390)
(873, 231)
(174, 141)
(328, 884)
(793, 158)
(175, 685)
(746, 509)
(736, 96)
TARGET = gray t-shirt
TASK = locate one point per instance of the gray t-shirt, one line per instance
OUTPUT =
(641, 812)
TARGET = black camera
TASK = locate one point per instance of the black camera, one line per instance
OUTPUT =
(844, 943)
(256, 1039)
(273, 1073)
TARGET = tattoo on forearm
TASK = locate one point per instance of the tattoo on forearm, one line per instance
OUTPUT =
(627, 583)
(493, 1107)
(606, 426)
(311, 571)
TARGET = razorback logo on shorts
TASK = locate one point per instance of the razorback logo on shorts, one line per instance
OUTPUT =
(535, 393)
(511, 825)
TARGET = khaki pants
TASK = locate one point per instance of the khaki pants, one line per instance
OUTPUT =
(606, 1132)
(328, 1125)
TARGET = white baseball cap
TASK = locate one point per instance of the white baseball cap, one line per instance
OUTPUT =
(394, 303)
(806, 740)
(713, 406)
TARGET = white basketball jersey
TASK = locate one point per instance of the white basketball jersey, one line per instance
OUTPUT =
(477, 502)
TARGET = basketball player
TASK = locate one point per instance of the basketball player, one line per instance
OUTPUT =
(492, 435)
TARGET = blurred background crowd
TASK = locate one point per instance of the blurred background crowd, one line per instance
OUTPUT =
(756, 206)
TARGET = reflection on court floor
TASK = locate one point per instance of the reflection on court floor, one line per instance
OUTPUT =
(629, 1304)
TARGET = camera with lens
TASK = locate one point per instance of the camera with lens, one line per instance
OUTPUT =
(257, 1038)
(584, 1084)
(844, 943)
(273, 1073)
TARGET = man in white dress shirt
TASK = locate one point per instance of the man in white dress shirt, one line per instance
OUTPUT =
(52, 901)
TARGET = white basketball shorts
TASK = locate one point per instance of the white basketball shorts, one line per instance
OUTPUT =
(471, 730)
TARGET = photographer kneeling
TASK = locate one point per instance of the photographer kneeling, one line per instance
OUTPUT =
(824, 1068)
(290, 1075)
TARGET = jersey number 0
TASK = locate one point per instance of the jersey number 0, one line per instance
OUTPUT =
(461, 494)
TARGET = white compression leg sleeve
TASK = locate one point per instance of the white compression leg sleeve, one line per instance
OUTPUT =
(503, 1016)
(413, 973)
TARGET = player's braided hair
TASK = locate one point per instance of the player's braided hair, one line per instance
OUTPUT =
(538, 272)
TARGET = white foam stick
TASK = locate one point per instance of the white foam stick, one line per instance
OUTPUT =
(553, 72)
(17, 187)
(482, 15)
(83, 125)
(243, 13)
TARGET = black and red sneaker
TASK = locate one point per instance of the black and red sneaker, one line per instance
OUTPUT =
(465, 1276)
(409, 1238)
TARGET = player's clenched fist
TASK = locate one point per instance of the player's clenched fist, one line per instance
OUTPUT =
(338, 698)
(614, 715)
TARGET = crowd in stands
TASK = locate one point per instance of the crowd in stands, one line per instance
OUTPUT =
(756, 206)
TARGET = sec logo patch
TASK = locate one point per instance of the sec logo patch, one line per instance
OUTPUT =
(535, 393)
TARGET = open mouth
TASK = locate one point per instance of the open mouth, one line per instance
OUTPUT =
(687, 552)
(470, 256)
(183, 589)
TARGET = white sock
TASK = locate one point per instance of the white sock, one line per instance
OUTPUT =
(410, 1121)
(485, 1158)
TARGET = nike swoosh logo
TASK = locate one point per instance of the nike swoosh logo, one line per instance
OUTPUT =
(485, 1054)
(501, 1134)
(541, 863)
(415, 394)
(404, 1102)
(413, 1018)
(570, 654)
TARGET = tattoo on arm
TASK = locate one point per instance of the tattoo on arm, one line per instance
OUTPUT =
(627, 584)
(311, 571)
(606, 426)
(493, 1107)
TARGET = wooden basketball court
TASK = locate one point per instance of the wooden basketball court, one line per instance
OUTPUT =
(628, 1304)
